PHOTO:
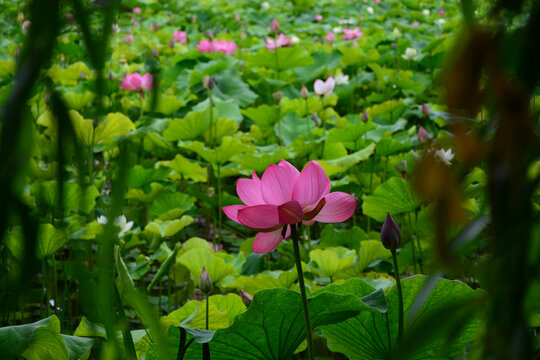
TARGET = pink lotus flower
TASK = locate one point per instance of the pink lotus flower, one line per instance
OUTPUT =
(318, 17)
(128, 39)
(226, 47)
(274, 26)
(137, 82)
(180, 36)
(284, 196)
(137, 10)
(330, 37)
(324, 87)
(351, 34)
(281, 41)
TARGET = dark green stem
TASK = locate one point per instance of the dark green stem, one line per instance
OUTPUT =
(309, 336)
(420, 261)
(207, 311)
(400, 295)
(413, 247)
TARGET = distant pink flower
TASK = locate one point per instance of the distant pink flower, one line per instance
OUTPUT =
(180, 36)
(26, 24)
(324, 87)
(274, 26)
(441, 12)
(377, 1)
(318, 17)
(281, 41)
(351, 34)
(137, 82)
(226, 47)
(285, 196)
(137, 10)
(128, 39)
(330, 37)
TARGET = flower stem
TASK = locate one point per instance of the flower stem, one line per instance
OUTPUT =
(400, 295)
(207, 311)
(309, 336)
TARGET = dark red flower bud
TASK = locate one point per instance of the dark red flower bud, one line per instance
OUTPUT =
(390, 233)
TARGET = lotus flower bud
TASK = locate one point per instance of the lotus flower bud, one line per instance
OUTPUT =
(274, 26)
(17, 52)
(208, 82)
(136, 10)
(278, 95)
(423, 136)
(246, 298)
(318, 17)
(365, 116)
(171, 43)
(155, 52)
(315, 119)
(156, 26)
(425, 110)
(209, 34)
(390, 233)
(69, 17)
(205, 283)
(304, 92)
(26, 24)
(111, 76)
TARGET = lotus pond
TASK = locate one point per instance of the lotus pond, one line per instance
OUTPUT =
(269, 180)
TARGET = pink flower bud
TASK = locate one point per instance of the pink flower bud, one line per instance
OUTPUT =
(137, 10)
(365, 116)
(155, 52)
(205, 283)
(156, 26)
(128, 39)
(423, 136)
(26, 24)
(390, 233)
(318, 17)
(304, 92)
(330, 37)
(315, 119)
(425, 110)
(208, 82)
(274, 26)
(246, 298)
(171, 43)
(441, 12)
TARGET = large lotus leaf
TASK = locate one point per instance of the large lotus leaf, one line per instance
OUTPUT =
(350, 135)
(334, 150)
(263, 156)
(332, 260)
(194, 243)
(366, 335)
(222, 127)
(78, 347)
(228, 109)
(167, 228)
(263, 115)
(273, 326)
(370, 250)
(335, 166)
(7, 67)
(47, 343)
(394, 196)
(265, 280)
(322, 61)
(381, 130)
(196, 258)
(86, 328)
(288, 58)
(139, 178)
(229, 85)
(168, 206)
(190, 127)
(223, 309)
(74, 197)
(49, 241)
(78, 100)
(186, 168)
(229, 147)
(70, 75)
(389, 146)
(15, 339)
(166, 104)
(291, 127)
(349, 238)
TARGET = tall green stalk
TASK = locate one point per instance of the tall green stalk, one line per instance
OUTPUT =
(400, 295)
(309, 335)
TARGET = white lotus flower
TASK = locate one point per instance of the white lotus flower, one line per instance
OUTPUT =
(295, 39)
(410, 54)
(120, 222)
(370, 9)
(337, 30)
(445, 155)
(265, 5)
(341, 79)
(425, 12)
(324, 87)
(396, 34)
